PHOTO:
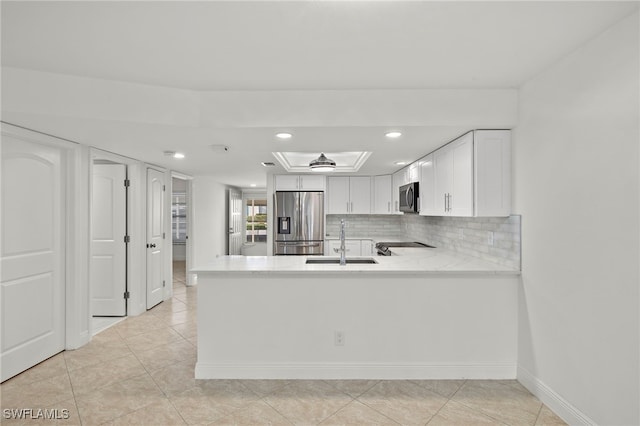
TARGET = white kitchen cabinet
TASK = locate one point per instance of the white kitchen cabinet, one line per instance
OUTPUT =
(366, 247)
(398, 179)
(427, 187)
(353, 247)
(454, 177)
(348, 195)
(300, 183)
(492, 172)
(382, 195)
(413, 172)
(471, 176)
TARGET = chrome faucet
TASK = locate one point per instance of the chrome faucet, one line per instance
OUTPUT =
(343, 250)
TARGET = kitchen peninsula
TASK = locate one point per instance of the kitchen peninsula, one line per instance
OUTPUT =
(437, 315)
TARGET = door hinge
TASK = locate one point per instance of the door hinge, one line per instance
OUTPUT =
(164, 235)
(127, 183)
(126, 294)
(127, 239)
(164, 187)
(164, 283)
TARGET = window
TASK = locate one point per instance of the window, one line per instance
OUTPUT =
(256, 214)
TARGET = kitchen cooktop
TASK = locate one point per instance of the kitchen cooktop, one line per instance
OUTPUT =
(404, 244)
(383, 247)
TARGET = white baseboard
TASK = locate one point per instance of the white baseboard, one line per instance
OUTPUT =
(551, 399)
(327, 371)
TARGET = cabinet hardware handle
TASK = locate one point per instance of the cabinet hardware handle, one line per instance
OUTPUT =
(352, 207)
(347, 207)
(445, 202)
(388, 206)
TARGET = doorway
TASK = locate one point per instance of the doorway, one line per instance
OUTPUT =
(179, 229)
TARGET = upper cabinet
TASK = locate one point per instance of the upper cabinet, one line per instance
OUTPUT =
(470, 176)
(413, 172)
(426, 202)
(348, 195)
(453, 165)
(300, 183)
(398, 179)
(492, 172)
(382, 195)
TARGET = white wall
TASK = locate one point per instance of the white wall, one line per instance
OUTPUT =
(209, 203)
(577, 188)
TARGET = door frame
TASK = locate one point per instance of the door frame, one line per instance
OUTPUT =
(77, 325)
(137, 227)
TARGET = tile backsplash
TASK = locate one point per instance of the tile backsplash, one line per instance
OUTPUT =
(366, 225)
(496, 239)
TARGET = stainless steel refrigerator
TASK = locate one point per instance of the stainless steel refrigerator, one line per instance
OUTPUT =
(299, 223)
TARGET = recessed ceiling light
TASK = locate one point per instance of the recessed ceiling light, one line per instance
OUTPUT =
(284, 135)
(393, 135)
(253, 185)
(268, 164)
(178, 155)
(400, 163)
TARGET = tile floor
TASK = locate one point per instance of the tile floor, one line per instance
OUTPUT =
(140, 371)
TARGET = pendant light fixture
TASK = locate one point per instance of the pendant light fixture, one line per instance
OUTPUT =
(322, 164)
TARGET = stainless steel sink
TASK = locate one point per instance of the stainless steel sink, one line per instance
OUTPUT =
(334, 261)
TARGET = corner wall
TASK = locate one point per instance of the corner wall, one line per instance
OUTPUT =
(210, 218)
(576, 185)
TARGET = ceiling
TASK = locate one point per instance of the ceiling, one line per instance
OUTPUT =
(315, 46)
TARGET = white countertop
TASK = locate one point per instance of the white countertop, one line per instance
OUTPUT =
(407, 261)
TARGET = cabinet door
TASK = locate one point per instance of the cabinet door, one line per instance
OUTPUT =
(352, 247)
(443, 167)
(360, 195)
(287, 182)
(366, 248)
(382, 198)
(492, 158)
(337, 195)
(461, 200)
(331, 247)
(427, 187)
(413, 172)
(312, 183)
(398, 179)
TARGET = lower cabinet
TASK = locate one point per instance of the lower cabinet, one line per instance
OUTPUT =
(353, 247)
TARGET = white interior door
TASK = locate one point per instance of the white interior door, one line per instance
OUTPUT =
(108, 247)
(235, 222)
(155, 237)
(32, 256)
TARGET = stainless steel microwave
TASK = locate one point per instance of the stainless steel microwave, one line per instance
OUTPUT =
(408, 199)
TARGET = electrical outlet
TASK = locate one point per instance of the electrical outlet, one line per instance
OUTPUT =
(338, 338)
(490, 238)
